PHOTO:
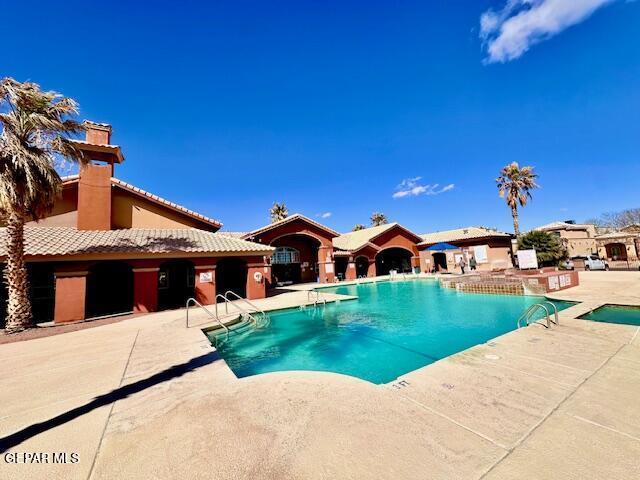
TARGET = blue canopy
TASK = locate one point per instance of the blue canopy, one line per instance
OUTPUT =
(439, 247)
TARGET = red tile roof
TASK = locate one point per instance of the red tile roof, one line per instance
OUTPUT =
(58, 241)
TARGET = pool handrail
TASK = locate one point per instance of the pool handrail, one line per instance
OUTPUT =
(193, 301)
(529, 312)
(555, 312)
(318, 299)
(265, 317)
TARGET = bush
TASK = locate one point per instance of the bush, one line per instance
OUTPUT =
(548, 247)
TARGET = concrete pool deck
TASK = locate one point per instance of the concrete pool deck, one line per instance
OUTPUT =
(148, 398)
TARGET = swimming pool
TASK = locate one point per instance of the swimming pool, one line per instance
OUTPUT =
(391, 329)
(626, 315)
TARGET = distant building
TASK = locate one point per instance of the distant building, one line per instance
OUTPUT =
(578, 239)
(307, 251)
(490, 248)
(621, 248)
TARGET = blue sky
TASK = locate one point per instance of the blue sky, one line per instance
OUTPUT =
(334, 107)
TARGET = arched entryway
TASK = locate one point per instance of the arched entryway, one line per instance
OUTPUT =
(175, 284)
(341, 264)
(231, 274)
(109, 289)
(616, 251)
(397, 259)
(295, 259)
(362, 266)
(440, 261)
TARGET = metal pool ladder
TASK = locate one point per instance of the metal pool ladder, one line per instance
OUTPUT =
(528, 313)
(193, 302)
(318, 298)
(243, 311)
(264, 316)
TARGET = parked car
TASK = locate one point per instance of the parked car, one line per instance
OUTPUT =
(591, 262)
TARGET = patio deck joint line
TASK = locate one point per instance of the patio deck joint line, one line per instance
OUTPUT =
(577, 417)
(539, 360)
(553, 410)
(634, 336)
(104, 429)
(442, 415)
(522, 372)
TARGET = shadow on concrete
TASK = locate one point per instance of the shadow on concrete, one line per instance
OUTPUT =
(113, 396)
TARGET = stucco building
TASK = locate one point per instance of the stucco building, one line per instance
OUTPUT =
(578, 239)
(490, 248)
(307, 251)
(621, 248)
(110, 248)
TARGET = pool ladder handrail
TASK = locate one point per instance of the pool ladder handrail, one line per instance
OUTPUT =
(242, 310)
(257, 309)
(318, 299)
(527, 314)
(193, 302)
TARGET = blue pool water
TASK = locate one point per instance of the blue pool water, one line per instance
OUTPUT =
(393, 328)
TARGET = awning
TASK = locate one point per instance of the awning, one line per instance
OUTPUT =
(442, 246)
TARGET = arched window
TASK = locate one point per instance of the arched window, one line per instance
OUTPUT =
(285, 255)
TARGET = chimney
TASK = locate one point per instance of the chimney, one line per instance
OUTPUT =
(97, 133)
(94, 185)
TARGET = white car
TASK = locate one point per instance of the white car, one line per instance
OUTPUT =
(591, 262)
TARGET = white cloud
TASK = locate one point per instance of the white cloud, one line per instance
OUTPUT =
(325, 215)
(410, 187)
(510, 32)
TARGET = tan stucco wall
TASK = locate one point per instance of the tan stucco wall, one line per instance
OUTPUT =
(579, 242)
(579, 247)
(130, 211)
(65, 211)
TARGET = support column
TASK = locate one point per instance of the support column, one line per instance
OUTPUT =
(71, 291)
(326, 267)
(371, 271)
(145, 289)
(205, 284)
(267, 272)
(415, 263)
(256, 280)
(351, 269)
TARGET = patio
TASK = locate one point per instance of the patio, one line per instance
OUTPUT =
(149, 398)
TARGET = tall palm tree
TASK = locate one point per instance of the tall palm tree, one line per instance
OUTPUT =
(36, 126)
(514, 185)
(358, 226)
(278, 212)
(378, 218)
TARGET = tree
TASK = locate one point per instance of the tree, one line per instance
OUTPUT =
(278, 212)
(548, 247)
(358, 226)
(515, 185)
(617, 220)
(378, 218)
(35, 137)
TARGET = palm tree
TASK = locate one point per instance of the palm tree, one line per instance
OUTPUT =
(36, 126)
(378, 218)
(515, 185)
(358, 226)
(278, 212)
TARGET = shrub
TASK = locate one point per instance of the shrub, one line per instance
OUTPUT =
(548, 247)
